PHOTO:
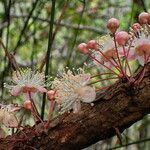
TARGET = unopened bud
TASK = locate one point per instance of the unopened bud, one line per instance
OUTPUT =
(113, 24)
(83, 48)
(92, 44)
(144, 17)
(51, 95)
(122, 38)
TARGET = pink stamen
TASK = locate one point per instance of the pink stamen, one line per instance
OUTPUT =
(100, 74)
(104, 80)
(117, 67)
(34, 110)
(103, 64)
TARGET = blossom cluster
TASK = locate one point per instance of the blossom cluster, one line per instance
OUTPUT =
(114, 52)
(71, 89)
(66, 93)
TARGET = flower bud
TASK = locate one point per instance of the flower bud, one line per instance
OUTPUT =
(28, 104)
(92, 44)
(144, 17)
(51, 94)
(122, 38)
(136, 26)
(83, 48)
(113, 24)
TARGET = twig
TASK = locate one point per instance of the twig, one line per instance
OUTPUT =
(125, 145)
(25, 25)
(48, 54)
(73, 26)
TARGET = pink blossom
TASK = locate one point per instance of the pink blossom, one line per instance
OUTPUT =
(27, 81)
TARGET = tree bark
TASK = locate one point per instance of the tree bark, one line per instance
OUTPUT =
(119, 107)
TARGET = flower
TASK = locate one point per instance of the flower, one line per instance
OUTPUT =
(141, 44)
(7, 115)
(70, 89)
(107, 47)
(26, 81)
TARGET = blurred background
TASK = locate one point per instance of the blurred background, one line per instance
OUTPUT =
(25, 29)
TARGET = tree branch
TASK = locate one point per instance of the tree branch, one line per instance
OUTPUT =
(119, 107)
(72, 26)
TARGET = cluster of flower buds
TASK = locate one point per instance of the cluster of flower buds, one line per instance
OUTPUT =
(115, 51)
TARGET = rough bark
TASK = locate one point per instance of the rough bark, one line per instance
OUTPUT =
(119, 107)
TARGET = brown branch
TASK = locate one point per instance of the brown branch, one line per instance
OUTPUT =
(72, 26)
(121, 106)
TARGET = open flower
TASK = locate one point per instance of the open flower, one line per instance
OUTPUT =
(71, 89)
(7, 115)
(141, 44)
(26, 81)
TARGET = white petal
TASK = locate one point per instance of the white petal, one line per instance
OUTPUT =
(76, 107)
(10, 120)
(15, 91)
(87, 94)
(141, 60)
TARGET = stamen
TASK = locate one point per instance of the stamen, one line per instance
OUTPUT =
(103, 80)
(103, 65)
(100, 74)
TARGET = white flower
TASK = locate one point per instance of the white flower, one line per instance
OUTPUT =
(26, 81)
(7, 115)
(71, 89)
(141, 44)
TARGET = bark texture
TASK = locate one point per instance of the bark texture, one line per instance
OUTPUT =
(119, 107)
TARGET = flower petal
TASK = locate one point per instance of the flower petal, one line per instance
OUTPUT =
(141, 60)
(87, 94)
(76, 107)
(15, 91)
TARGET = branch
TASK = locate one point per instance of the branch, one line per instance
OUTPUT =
(76, 27)
(119, 107)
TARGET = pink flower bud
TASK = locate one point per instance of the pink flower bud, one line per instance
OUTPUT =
(122, 38)
(28, 104)
(83, 48)
(51, 94)
(144, 17)
(113, 24)
(92, 44)
(136, 26)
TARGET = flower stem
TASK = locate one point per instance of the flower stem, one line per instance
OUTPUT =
(100, 74)
(126, 59)
(117, 67)
(118, 55)
(48, 54)
(103, 80)
(103, 64)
